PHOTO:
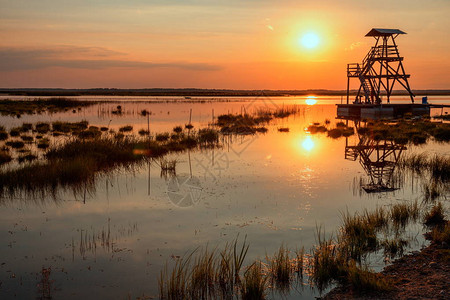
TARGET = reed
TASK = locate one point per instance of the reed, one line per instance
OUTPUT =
(5, 157)
(175, 285)
(377, 218)
(178, 129)
(254, 283)
(3, 135)
(19, 107)
(162, 137)
(358, 235)
(394, 247)
(362, 279)
(433, 190)
(437, 165)
(339, 131)
(300, 262)
(441, 235)
(326, 263)
(15, 144)
(436, 216)
(316, 128)
(127, 128)
(15, 132)
(202, 275)
(206, 275)
(280, 268)
(208, 136)
(402, 213)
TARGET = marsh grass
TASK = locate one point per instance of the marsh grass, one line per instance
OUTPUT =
(5, 157)
(334, 260)
(441, 235)
(412, 131)
(3, 135)
(317, 128)
(436, 216)
(402, 213)
(362, 279)
(332, 263)
(359, 236)
(254, 283)
(300, 262)
(394, 247)
(280, 268)
(19, 107)
(433, 190)
(204, 274)
(340, 131)
(126, 128)
(15, 144)
(326, 263)
(168, 165)
(246, 124)
(208, 136)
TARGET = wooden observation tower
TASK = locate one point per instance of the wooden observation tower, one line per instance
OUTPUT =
(380, 69)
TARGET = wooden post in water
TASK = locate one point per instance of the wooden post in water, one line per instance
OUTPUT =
(148, 125)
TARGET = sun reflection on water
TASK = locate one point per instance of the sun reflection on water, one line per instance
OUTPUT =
(311, 100)
(308, 144)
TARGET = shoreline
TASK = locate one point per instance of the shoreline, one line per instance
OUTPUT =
(423, 274)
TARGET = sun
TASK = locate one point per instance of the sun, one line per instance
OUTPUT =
(310, 40)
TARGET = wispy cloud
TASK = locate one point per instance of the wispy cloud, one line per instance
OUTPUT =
(353, 46)
(14, 59)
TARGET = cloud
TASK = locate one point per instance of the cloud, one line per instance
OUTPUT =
(354, 45)
(13, 59)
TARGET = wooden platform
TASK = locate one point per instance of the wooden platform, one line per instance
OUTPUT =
(377, 111)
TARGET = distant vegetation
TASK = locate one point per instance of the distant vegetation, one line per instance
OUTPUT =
(37, 106)
(196, 92)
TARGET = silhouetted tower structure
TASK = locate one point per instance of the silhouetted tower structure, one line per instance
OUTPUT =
(380, 69)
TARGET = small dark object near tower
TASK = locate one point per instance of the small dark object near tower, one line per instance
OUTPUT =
(380, 69)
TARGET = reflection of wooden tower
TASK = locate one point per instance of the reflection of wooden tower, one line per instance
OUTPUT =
(378, 158)
(380, 69)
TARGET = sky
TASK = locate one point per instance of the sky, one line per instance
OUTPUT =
(233, 44)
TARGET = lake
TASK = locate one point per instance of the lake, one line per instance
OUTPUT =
(274, 188)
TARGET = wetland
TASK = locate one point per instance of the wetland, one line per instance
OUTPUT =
(225, 197)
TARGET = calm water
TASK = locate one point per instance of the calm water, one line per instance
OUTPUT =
(274, 188)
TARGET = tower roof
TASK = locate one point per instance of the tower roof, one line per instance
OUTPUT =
(384, 32)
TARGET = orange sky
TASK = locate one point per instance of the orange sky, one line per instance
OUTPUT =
(251, 44)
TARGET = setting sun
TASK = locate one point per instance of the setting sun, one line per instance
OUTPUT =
(310, 40)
